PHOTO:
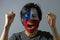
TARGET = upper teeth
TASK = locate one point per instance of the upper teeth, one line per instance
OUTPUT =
(30, 23)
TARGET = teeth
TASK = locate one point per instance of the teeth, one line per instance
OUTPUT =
(30, 23)
(31, 28)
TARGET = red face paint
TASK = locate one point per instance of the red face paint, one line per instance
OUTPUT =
(30, 20)
(31, 25)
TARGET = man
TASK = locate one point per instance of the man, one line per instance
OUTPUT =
(31, 16)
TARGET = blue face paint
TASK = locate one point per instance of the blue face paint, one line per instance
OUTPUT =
(30, 14)
(26, 15)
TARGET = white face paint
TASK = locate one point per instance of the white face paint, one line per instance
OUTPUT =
(34, 14)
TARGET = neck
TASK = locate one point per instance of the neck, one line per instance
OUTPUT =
(31, 34)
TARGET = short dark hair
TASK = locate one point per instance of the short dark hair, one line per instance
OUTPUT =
(29, 6)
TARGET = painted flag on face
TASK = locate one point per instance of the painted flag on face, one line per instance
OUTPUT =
(30, 14)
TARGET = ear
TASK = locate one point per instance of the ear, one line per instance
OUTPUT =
(22, 21)
(39, 21)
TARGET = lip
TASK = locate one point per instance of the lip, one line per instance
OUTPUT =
(30, 25)
(31, 28)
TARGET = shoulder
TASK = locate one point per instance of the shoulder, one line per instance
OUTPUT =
(16, 36)
(45, 34)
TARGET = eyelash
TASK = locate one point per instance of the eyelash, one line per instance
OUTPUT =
(33, 15)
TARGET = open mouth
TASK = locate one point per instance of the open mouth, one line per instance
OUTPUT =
(30, 26)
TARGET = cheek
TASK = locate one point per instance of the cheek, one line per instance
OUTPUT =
(36, 22)
(24, 22)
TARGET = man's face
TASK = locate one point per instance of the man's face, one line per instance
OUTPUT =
(30, 20)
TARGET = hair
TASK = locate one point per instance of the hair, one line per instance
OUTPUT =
(29, 6)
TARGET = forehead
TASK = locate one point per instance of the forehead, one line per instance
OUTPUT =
(30, 14)
(32, 11)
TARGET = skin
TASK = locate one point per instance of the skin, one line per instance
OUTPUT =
(9, 17)
(51, 19)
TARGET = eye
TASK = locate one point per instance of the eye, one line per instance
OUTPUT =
(33, 15)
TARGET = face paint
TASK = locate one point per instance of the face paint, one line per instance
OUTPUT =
(30, 14)
(30, 20)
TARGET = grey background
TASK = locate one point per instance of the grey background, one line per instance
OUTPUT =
(16, 5)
